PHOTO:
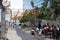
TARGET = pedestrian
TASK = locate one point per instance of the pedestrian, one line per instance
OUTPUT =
(40, 28)
(55, 32)
(58, 32)
(39, 25)
(12, 25)
(20, 26)
(37, 30)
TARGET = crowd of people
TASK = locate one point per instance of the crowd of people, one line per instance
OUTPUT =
(49, 29)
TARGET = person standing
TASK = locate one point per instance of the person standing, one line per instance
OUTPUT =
(58, 32)
(39, 25)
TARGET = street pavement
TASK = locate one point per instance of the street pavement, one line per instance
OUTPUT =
(24, 35)
(18, 34)
(12, 35)
(36, 36)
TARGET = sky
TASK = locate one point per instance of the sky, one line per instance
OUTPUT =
(20, 4)
(23, 4)
(38, 3)
(27, 4)
(16, 4)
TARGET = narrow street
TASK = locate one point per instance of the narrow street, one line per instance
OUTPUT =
(12, 35)
(18, 34)
(30, 19)
(23, 34)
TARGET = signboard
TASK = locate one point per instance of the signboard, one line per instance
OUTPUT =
(5, 3)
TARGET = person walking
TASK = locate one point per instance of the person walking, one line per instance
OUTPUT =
(40, 27)
(55, 32)
(58, 32)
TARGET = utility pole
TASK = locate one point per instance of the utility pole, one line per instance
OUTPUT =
(2, 34)
(2, 20)
(3, 24)
(3, 5)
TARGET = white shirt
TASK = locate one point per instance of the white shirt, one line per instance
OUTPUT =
(37, 28)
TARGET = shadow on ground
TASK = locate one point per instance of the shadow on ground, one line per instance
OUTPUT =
(23, 34)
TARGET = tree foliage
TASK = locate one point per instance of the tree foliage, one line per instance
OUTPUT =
(55, 4)
(25, 17)
(48, 8)
(32, 3)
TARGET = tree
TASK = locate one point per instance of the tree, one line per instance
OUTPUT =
(43, 10)
(48, 8)
(25, 17)
(32, 3)
(54, 5)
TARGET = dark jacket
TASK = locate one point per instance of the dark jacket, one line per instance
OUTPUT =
(39, 26)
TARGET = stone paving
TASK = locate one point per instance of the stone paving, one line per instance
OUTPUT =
(18, 34)
(43, 37)
(12, 35)
(24, 35)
